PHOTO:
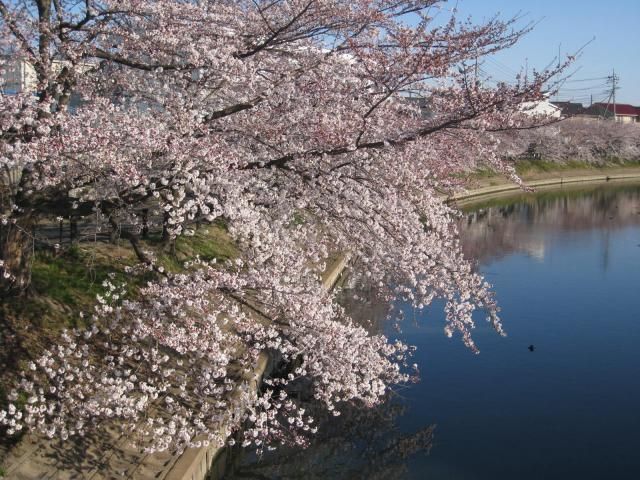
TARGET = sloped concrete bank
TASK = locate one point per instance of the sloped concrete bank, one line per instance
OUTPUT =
(210, 463)
(480, 193)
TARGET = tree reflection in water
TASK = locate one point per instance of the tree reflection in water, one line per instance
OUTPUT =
(523, 223)
(360, 444)
(368, 444)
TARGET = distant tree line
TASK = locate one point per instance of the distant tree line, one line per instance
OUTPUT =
(575, 139)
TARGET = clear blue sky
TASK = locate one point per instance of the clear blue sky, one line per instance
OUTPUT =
(615, 24)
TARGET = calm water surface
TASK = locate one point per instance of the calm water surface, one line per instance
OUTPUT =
(566, 270)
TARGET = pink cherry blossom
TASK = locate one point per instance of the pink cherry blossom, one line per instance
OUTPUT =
(292, 123)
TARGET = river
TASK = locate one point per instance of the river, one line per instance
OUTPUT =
(558, 398)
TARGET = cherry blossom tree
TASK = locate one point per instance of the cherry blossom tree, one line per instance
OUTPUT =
(595, 141)
(291, 120)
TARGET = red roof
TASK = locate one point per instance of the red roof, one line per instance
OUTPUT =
(621, 108)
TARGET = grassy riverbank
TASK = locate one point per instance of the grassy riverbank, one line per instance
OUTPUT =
(68, 282)
(489, 188)
(65, 284)
(531, 170)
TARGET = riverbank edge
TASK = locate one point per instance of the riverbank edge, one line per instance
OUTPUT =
(210, 463)
(485, 192)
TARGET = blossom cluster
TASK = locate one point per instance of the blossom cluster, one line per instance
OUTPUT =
(293, 124)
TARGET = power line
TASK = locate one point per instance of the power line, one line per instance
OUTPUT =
(586, 79)
(584, 89)
(502, 66)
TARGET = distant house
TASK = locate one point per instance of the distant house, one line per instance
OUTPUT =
(571, 109)
(422, 103)
(19, 76)
(541, 108)
(623, 113)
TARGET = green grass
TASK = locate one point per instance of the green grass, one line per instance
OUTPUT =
(526, 166)
(483, 172)
(9, 441)
(66, 284)
(530, 166)
(209, 242)
(72, 278)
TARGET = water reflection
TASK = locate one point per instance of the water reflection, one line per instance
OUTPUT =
(565, 266)
(527, 223)
(362, 444)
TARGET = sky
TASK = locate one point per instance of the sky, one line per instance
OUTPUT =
(612, 26)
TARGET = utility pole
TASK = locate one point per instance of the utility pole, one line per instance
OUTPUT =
(613, 79)
(558, 92)
(613, 89)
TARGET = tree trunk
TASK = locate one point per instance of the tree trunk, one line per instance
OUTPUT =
(166, 237)
(168, 241)
(17, 242)
(145, 223)
(16, 247)
(73, 230)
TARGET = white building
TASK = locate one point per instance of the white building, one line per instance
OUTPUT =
(17, 76)
(541, 108)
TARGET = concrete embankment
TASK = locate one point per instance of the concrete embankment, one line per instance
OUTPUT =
(210, 463)
(555, 180)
